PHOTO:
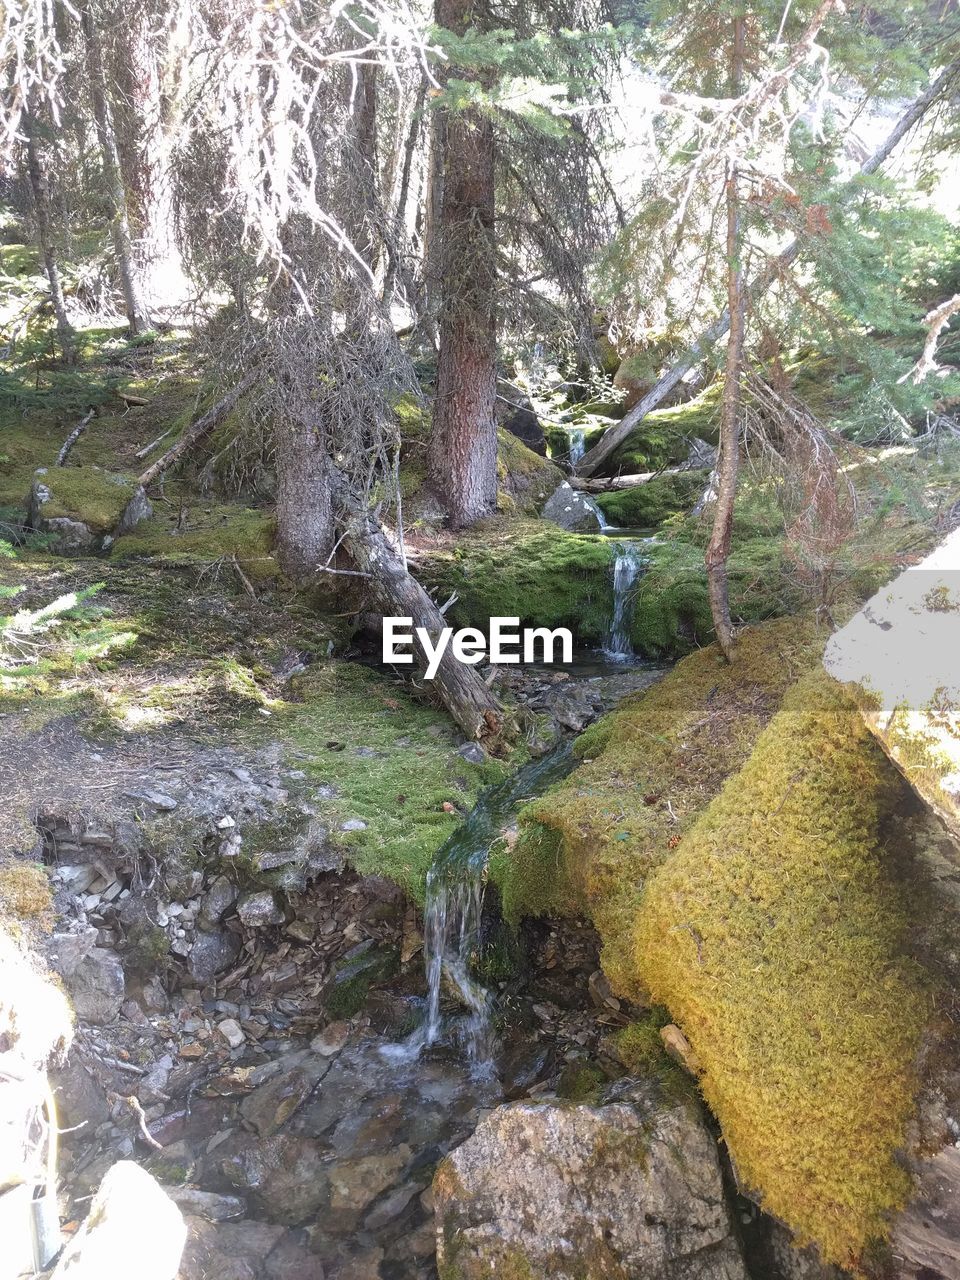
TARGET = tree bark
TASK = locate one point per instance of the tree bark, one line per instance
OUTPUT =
(463, 446)
(361, 216)
(433, 204)
(41, 203)
(138, 316)
(396, 266)
(305, 535)
(395, 592)
(728, 463)
(698, 350)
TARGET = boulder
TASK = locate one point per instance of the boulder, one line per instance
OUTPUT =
(900, 652)
(516, 414)
(631, 1189)
(82, 509)
(572, 510)
(133, 1229)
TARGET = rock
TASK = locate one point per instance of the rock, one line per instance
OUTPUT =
(272, 1104)
(217, 901)
(516, 414)
(601, 992)
(354, 1184)
(926, 1235)
(900, 652)
(679, 1048)
(97, 987)
(630, 1189)
(287, 1175)
(354, 824)
(231, 1031)
(701, 456)
(258, 910)
(571, 510)
(331, 1039)
(153, 1084)
(212, 952)
(80, 1099)
(472, 752)
(137, 509)
(133, 1229)
(228, 1250)
(67, 951)
(206, 1204)
(572, 706)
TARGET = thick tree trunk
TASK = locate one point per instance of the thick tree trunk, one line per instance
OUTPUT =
(701, 348)
(305, 535)
(396, 593)
(41, 203)
(138, 315)
(728, 464)
(463, 446)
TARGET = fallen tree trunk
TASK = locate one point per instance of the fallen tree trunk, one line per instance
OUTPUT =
(615, 436)
(197, 430)
(394, 591)
(72, 439)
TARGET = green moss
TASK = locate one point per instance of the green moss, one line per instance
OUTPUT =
(210, 534)
(525, 479)
(775, 935)
(391, 762)
(96, 497)
(663, 437)
(530, 570)
(581, 1082)
(648, 771)
(647, 505)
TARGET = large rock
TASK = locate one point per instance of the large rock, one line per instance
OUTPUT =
(516, 414)
(133, 1229)
(901, 651)
(97, 987)
(82, 509)
(630, 1189)
(572, 510)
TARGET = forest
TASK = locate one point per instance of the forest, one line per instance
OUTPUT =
(340, 339)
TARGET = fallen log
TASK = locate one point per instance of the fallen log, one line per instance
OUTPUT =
(615, 436)
(398, 594)
(197, 430)
(72, 439)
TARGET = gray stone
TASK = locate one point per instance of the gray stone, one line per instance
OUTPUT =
(67, 951)
(231, 1031)
(354, 824)
(472, 752)
(270, 1106)
(207, 1204)
(286, 1174)
(631, 1189)
(572, 510)
(133, 1229)
(259, 909)
(217, 901)
(97, 987)
(212, 952)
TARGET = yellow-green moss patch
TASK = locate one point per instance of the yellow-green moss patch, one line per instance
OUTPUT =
(774, 934)
(650, 768)
(212, 533)
(96, 497)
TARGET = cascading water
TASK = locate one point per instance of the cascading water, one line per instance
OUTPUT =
(454, 906)
(627, 567)
(578, 445)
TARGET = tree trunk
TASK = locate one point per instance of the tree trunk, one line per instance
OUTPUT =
(701, 348)
(304, 506)
(138, 316)
(41, 202)
(397, 267)
(396, 593)
(361, 219)
(463, 446)
(728, 464)
(433, 204)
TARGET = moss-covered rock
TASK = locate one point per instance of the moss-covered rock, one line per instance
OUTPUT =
(80, 507)
(663, 437)
(530, 570)
(649, 769)
(775, 935)
(645, 506)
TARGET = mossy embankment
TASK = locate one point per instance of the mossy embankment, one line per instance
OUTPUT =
(726, 833)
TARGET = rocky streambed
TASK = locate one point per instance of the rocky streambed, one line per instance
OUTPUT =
(245, 1039)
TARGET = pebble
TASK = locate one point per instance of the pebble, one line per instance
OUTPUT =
(225, 823)
(231, 1031)
(354, 824)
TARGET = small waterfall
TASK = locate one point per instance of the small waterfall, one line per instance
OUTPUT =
(578, 445)
(454, 907)
(594, 506)
(627, 567)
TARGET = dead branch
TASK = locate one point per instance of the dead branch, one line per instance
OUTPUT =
(149, 448)
(72, 439)
(936, 321)
(202, 427)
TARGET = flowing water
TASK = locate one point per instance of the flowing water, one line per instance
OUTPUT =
(628, 566)
(578, 445)
(454, 906)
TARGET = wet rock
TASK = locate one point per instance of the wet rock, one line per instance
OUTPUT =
(572, 706)
(631, 1189)
(97, 987)
(286, 1174)
(228, 1251)
(133, 1229)
(257, 910)
(80, 1099)
(354, 1184)
(212, 952)
(571, 510)
(331, 1039)
(272, 1104)
(217, 901)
